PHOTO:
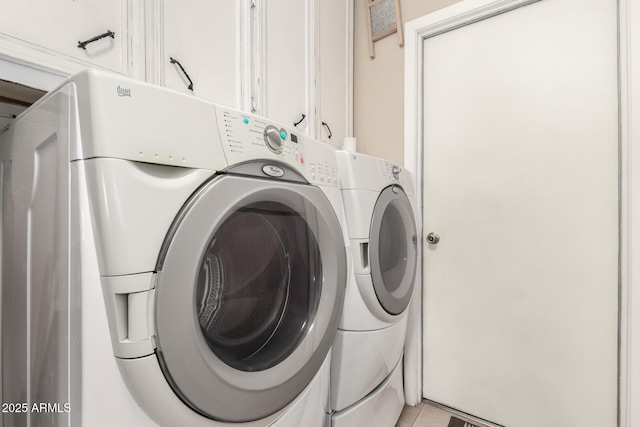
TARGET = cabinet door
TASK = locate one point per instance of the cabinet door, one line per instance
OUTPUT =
(204, 36)
(333, 62)
(287, 76)
(56, 27)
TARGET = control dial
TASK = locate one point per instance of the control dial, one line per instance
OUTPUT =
(273, 139)
(395, 171)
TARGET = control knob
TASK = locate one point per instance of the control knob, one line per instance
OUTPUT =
(273, 139)
(395, 171)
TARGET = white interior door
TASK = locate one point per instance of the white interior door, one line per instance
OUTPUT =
(521, 182)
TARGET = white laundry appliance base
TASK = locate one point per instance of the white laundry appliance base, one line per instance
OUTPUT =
(381, 408)
(361, 360)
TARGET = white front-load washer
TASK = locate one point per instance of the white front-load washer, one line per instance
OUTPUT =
(165, 261)
(366, 368)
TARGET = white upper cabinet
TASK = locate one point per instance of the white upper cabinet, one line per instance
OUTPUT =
(286, 80)
(334, 82)
(204, 37)
(49, 32)
(301, 70)
(287, 60)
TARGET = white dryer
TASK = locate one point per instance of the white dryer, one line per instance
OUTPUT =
(366, 370)
(165, 261)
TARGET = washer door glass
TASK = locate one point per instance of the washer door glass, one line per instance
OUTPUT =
(259, 285)
(392, 245)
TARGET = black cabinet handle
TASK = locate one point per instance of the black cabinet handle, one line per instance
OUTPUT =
(83, 45)
(299, 121)
(328, 129)
(175, 61)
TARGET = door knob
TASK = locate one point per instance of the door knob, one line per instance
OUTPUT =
(433, 238)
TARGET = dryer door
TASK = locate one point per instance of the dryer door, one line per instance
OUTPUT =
(392, 249)
(249, 294)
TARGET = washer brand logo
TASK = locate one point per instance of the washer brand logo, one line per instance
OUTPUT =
(273, 171)
(124, 92)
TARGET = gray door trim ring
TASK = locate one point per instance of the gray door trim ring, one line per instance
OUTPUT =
(199, 378)
(396, 301)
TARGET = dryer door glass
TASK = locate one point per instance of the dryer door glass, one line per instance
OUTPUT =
(392, 245)
(259, 285)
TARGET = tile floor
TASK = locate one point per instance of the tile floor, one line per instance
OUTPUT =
(426, 415)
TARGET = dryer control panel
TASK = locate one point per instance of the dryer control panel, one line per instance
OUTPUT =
(361, 172)
(248, 137)
(389, 171)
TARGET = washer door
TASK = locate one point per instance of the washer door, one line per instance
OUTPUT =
(392, 249)
(249, 294)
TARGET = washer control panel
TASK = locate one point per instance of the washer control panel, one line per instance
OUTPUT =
(248, 137)
(322, 172)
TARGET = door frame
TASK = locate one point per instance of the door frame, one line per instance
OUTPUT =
(467, 12)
